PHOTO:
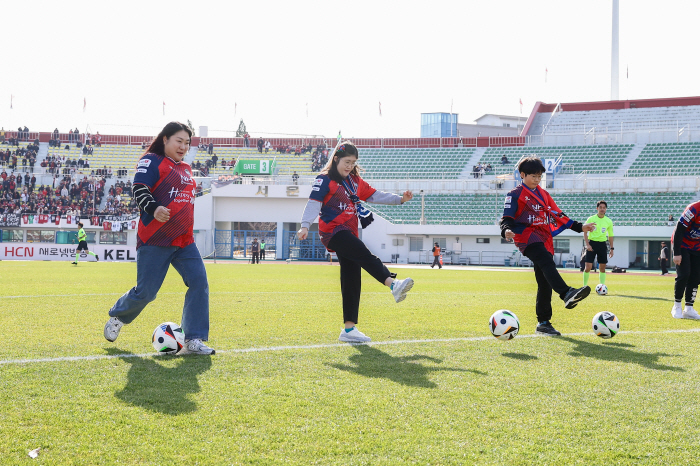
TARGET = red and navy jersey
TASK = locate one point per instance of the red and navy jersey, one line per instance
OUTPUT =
(173, 187)
(338, 212)
(691, 221)
(537, 217)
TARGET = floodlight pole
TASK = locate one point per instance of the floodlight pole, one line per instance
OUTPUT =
(615, 65)
(422, 208)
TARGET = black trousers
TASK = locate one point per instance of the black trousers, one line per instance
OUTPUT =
(548, 279)
(664, 267)
(354, 256)
(262, 254)
(256, 257)
(436, 261)
(687, 277)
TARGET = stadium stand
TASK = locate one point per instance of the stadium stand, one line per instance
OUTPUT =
(443, 163)
(667, 159)
(598, 159)
(626, 209)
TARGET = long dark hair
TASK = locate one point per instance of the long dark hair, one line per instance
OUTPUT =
(331, 169)
(157, 146)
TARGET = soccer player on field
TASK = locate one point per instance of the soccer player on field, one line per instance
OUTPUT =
(82, 244)
(165, 191)
(336, 195)
(531, 219)
(595, 242)
(685, 244)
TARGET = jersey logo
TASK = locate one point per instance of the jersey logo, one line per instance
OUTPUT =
(318, 181)
(173, 192)
(144, 162)
(141, 170)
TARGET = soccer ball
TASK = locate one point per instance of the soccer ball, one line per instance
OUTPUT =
(168, 338)
(605, 324)
(601, 289)
(504, 325)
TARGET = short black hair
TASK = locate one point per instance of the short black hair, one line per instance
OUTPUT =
(531, 166)
(601, 202)
(80, 224)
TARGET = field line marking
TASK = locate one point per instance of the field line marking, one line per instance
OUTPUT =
(318, 346)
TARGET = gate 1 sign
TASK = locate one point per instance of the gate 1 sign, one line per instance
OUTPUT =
(65, 252)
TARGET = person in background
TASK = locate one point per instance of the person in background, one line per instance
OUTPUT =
(82, 244)
(255, 250)
(436, 256)
(685, 244)
(663, 258)
(262, 250)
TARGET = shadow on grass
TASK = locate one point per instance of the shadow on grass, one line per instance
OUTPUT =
(371, 362)
(651, 298)
(617, 353)
(155, 387)
(520, 357)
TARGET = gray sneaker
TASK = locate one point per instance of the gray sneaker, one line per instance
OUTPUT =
(401, 288)
(196, 346)
(112, 328)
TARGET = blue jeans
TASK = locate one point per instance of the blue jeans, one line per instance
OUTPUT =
(152, 263)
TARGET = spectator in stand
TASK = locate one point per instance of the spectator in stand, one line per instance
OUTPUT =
(504, 160)
(670, 220)
(261, 143)
(267, 146)
(214, 159)
(211, 148)
(295, 177)
(246, 139)
(2, 135)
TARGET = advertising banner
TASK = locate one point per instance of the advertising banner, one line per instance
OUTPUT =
(66, 252)
(10, 220)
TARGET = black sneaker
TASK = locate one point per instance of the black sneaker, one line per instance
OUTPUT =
(74, 263)
(573, 296)
(546, 329)
(97, 259)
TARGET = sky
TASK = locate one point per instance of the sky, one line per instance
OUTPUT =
(319, 67)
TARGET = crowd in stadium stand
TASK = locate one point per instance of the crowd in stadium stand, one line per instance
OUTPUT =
(21, 156)
(319, 160)
(480, 169)
(66, 196)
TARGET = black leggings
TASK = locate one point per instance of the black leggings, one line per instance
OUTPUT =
(354, 256)
(547, 277)
(687, 277)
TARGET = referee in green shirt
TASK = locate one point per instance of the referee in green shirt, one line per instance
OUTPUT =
(595, 242)
(82, 244)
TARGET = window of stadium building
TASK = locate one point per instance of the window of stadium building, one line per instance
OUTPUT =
(112, 237)
(416, 244)
(483, 240)
(561, 246)
(71, 237)
(12, 236)
(41, 236)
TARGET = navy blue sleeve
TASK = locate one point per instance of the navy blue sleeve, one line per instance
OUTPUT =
(510, 205)
(320, 188)
(147, 171)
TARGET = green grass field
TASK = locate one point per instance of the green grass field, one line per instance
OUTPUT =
(433, 388)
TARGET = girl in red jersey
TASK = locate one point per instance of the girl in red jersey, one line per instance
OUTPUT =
(165, 191)
(685, 244)
(336, 195)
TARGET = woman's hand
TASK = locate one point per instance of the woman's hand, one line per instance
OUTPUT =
(588, 227)
(162, 214)
(303, 233)
(407, 196)
(677, 260)
(509, 235)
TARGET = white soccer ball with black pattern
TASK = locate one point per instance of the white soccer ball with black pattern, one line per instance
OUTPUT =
(504, 325)
(601, 289)
(168, 338)
(605, 324)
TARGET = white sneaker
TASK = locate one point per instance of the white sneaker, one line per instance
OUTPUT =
(112, 328)
(353, 336)
(677, 311)
(690, 313)
(401, 287)
(196, 346)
